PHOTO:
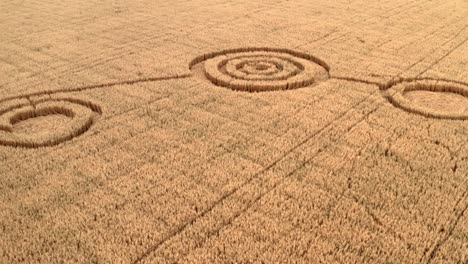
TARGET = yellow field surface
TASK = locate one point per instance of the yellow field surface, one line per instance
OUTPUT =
(288, 131)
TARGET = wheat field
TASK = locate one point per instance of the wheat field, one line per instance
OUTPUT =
(284, 131)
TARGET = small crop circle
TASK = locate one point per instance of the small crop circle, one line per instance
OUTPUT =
(262, 69)
(45, 123)
(431, 98)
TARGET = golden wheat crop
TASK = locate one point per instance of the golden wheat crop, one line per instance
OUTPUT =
(234, 131)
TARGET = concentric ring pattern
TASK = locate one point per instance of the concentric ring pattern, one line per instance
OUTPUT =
(262, 69)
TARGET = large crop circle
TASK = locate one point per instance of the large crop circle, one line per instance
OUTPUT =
(260, 69)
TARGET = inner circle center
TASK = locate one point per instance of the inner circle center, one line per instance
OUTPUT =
(261, 67)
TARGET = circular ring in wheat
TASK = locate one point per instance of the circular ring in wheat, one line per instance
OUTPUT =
(81, 115)
(262, 69)
(397, 96)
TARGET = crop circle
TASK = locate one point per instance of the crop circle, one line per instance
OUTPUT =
(73, 117)
(431, 98)
(262, 69)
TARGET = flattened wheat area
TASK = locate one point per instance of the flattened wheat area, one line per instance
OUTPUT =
(283, 131)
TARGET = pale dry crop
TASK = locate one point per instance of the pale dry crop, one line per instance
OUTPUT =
(234, 131)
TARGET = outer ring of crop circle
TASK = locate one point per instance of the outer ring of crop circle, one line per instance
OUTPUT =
(395, 94)
(82, 114)
(250, 86)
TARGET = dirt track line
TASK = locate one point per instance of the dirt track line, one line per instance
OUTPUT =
(451, 227)
(350, 196)
(379, 17)
(254, 177)
(95, 86)
(403, 7)
(76, 66)
(443, 57)
(424, 38)
(352, 79)
(229, 221)
(314, 101)
(87, 61)
(432, 51)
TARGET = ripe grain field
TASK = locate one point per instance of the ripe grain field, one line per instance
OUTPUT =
(234, 131)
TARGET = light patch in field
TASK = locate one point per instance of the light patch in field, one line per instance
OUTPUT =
(41, 123)
(260, 69)
(431, 98)
(46, 123)
(448, 102)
